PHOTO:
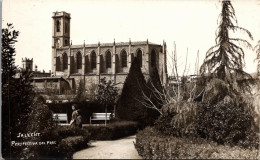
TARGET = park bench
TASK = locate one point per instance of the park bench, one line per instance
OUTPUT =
(100, 117)
(62, 118)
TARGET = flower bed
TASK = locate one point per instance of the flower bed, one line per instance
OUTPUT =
(151, 144)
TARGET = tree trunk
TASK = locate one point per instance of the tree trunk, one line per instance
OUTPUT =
(114, 111)
(106, 116)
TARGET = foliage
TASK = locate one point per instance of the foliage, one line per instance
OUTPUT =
(113, 130)
(226, 123)
(67, 139)
(257, 49)
(256, 104)
(41, 121)
(152, 144)
(70, 139)
(178, 119)
(129, 108)
(17, 94)
(225, 60)
(153, 97)
(80, 96)
(69, 145)
(107, 92)
(40, 118)
(225, 115)
(91, 91)
(9, 36)
(67, 131)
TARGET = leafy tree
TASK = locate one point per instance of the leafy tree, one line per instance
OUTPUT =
(225, 60)
(91, 91)
(17, 95)
(106, 93)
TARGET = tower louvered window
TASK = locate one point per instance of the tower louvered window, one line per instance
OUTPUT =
(57, 26)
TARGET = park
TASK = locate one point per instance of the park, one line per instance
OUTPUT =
(134, 99)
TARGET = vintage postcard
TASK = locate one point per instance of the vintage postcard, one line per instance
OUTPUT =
(132, 79)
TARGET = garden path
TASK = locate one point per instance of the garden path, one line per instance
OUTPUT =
(116, 149)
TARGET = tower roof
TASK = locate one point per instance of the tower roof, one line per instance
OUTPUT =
(60, 14)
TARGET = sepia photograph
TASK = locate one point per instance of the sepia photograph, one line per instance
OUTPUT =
(130, 79)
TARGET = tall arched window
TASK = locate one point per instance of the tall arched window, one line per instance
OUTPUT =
(123, 59)
(65, 61)
(108, 59)
(66, 27)
(153, 58)
(93, 60)
(57, 26)
(139, 57)
(132, 57)
(58, 64)
(79, 60)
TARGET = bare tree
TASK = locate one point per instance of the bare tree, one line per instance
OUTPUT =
(176, 98)
(175, 92)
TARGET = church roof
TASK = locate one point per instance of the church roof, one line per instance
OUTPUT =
(112, 44)
(43, 78)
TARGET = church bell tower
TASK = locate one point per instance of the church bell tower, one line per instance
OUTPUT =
(60, 35)
(61, 29)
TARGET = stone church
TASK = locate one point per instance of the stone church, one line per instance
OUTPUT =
(91, 62)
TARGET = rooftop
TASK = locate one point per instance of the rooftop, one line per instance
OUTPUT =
(112, 44)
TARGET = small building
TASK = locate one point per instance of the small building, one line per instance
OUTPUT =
(51, 85)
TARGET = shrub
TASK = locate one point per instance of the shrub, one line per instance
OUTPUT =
(41, 122)
(151, 144)
(226, 123)
(113, 130)
(177, 119)
(71, 144)
(68, 131)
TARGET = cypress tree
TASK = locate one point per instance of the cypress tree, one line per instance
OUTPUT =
(129, 107)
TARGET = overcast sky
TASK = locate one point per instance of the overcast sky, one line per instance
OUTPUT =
(190, 24)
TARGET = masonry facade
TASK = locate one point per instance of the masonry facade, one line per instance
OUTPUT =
(91, 62)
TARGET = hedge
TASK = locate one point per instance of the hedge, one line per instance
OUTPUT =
(69, 145)
(68, 140)
(114, 130)
(151, 144)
